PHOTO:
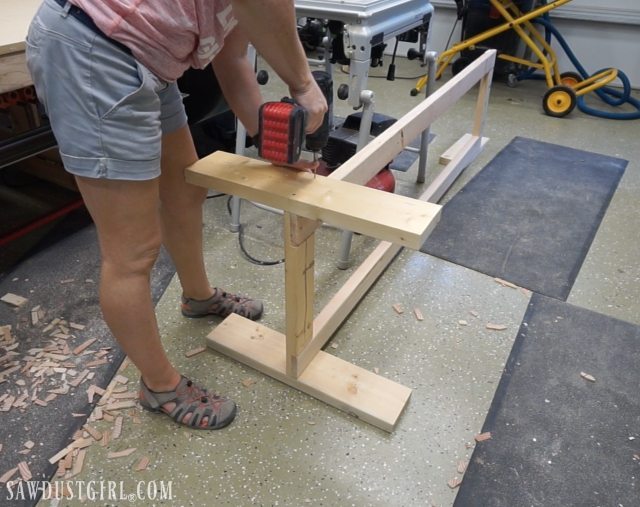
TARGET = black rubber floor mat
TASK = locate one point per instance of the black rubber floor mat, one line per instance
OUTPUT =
(529, 216)
(62, 279)
(565, 419)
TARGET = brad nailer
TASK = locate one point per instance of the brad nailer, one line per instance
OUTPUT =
(282, 127)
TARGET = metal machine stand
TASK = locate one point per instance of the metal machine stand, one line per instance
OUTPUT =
(366, 98)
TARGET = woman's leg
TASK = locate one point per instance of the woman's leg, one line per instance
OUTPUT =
(126, 216)
(181, 214)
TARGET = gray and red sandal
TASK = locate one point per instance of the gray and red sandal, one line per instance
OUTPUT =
(222, 304)
(190, 399)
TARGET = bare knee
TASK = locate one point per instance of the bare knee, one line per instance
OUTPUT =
(134, 258)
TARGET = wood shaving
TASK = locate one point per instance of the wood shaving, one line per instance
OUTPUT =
(248, 382)
(495, 327)
(334, 345)
(398, 308)
(13, 299)
(142, 464)
(121, 454)
(79, 463)
(454, 483)
(463, 323)
(588, 377)
(81, 443)
(474, 313)
(481, 437)
(120, 379)
(117, 428)
(95, 434)
(504, 283)
(6, 477)
(462, 467)
(418, 314)
(195, 352)
(119, 405)
(83, 346)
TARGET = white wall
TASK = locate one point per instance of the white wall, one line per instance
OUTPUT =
(602, 33)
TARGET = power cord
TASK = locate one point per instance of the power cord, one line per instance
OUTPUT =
(243, 249)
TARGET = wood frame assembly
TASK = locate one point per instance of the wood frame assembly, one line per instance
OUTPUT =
(295, 357)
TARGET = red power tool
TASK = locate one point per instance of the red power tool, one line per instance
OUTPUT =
(282, 125)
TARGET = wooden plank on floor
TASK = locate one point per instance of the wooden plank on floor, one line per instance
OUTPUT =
(372, 398)
(391, 217)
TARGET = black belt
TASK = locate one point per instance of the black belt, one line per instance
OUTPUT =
(86, 20)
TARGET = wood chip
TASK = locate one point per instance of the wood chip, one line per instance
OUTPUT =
(248, 382)
(6, 477)
(121, 379)
(95, 434)
(463, 323)
(454, 483)
(195, 352)
(117, 427)
(83, 346)
(29, 444)
(334, 345)
(588, 377)
(127, 395)
(97, 362)
(474, 313)
(398, 308)
(142, 464)
(67, 462)
(462, 467)
(78, 380)
(13, 299)
(481, 437)
(81, 443)
(79, 327)
(418, 314)
(496, 327)
(376, 370)
(119, 405)
(504, 283)
(79, 463)
(121, 454)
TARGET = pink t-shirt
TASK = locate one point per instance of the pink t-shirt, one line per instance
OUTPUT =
(167, 36)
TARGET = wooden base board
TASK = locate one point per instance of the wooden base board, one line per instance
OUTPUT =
(455, 148)
(360, 392)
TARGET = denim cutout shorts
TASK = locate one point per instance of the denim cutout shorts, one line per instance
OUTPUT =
(107, 111)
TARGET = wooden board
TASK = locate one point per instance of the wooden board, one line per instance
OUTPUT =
(383, 148)
(360, 392)
(14, 74)
(14, 23)
(391, 217)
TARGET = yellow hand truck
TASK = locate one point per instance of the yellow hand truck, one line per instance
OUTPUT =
(563, 88)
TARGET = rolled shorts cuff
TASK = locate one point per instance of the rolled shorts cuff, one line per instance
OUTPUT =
(111, 168)
(174, 118)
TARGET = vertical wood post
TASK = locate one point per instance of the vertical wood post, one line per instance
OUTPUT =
(299, 254)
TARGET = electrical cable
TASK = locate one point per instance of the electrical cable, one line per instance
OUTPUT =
(609, 95)
(243, 249)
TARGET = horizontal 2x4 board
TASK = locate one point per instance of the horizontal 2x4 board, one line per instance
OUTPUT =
(399, 219)
(370, 397)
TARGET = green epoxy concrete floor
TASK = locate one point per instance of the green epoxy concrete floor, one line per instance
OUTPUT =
(288, 449)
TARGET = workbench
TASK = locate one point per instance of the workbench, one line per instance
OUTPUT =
(367, 24)
(14, 76)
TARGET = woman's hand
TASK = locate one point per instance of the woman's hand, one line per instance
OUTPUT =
(311, 98)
